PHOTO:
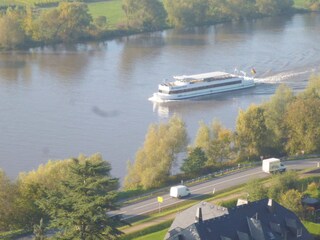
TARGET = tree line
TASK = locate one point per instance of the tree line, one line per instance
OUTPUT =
(72, 22)
(286, 125)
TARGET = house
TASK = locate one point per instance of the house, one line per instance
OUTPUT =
(260, 220)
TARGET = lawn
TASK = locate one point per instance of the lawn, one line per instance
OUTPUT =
(299, 3)
(313, 228)
(110, 9)
(154, 236)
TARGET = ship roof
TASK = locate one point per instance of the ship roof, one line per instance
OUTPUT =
(203, 76)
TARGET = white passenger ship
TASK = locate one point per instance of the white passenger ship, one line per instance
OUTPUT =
(201, 84)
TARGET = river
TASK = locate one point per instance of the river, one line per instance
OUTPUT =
(58, 102)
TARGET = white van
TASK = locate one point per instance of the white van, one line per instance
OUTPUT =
(272, 165)
(179, 191)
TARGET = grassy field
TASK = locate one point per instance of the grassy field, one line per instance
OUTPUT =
(299, 3)
(110, 9)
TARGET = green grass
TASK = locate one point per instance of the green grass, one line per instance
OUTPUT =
(110, 9)
(312, 228)
(154, 236)
(299, 3)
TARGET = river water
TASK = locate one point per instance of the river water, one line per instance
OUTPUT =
(58, 102)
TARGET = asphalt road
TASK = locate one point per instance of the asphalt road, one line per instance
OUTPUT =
(216, 184)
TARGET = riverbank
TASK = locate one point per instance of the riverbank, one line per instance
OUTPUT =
(108, 20)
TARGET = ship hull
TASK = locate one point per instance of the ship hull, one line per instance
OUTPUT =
(160, 97)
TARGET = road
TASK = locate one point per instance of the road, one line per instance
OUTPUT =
(209, 187)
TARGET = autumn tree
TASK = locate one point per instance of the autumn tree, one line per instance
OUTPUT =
(154, 161)
(203, 137)
(144, 14)
(221, 144)
(232, 10)
(313, 190)
(183, 13)
(68, 23)
(313, 88)
(273, 7)
(292, 200)
(252, 135)
(313, 5)
(274, 113)
(12, 34)
(215, 140)
(302, 121)
(80, 205)
(8, 194)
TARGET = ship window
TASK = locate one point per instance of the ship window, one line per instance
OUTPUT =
(204, 87)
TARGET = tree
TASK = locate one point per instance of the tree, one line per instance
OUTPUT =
(252, 135)
(195, 161)
(273, 7)
(46, 27)
(275, 109)
(183, 13)
(144, 14)
(8, 193)
(313, 88)
(74, 20)
(12, 34)
(302, 121)
(216, 141)
(313, 190)
(313, 5)
(292, 200)
(69, 22)
(32, 185)
(154, 161)
(79, 208)
(203, 137)
(220, 144)
(281, 183)
(256, 191)
(236, 10)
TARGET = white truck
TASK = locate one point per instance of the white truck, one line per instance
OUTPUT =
(272, 165)
(179, 191)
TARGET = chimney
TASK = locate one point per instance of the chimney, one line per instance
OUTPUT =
(271, 206)
(199, 215)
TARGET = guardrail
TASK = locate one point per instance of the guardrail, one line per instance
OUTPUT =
(190, 182)
(210, 176)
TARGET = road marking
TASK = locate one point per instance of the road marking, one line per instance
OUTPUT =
(148, 204)
(156, 203)
(228, 180)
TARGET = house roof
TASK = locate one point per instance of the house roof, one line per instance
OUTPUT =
(261, 220)
(188, 216)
